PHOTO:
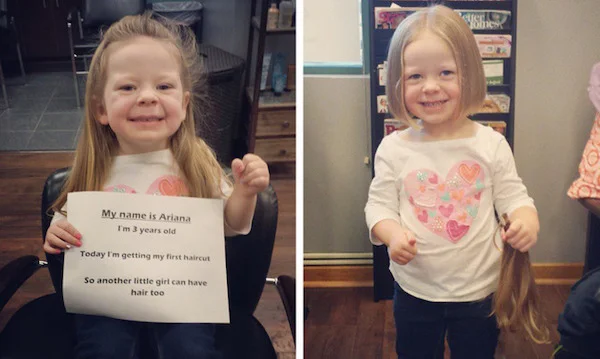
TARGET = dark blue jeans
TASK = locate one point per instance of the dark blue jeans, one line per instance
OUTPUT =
(102, 337)
(579, 323)
(421, 327)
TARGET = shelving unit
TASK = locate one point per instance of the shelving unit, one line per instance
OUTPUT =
(271, 119)
(379, 40)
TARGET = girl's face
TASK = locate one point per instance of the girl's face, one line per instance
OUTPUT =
(143, 100)
(430, 78)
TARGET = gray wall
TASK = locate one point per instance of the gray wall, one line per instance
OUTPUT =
(336, 180)
(226, 24)
(557, 44)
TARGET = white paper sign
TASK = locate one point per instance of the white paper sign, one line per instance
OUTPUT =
(147, 258)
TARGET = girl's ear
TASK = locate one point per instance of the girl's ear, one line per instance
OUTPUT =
(186, 100)
(101, 115)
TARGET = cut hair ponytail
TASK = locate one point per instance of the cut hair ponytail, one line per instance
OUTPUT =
(517, 300)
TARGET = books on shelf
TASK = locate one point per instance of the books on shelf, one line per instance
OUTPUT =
(494, 45)
(498, 126)
(382, 73)
(382, 104)
(496, 103)
(486, 19)
(494, 72)
(493, 69)
(390, 17)
(391, 124)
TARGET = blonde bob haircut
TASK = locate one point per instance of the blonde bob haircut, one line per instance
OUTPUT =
(98, 144)
(454, 31)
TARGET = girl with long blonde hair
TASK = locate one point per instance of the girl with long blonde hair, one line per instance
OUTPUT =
(139, 137)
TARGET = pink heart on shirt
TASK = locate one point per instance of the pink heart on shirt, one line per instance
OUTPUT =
(455, 230)
(446, 208)
(168, 186)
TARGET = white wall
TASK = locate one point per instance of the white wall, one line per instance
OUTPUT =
(557, 44)
(331, 33)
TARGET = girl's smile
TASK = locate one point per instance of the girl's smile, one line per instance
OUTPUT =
(434, 104)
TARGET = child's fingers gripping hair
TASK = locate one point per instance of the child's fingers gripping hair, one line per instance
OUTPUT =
(517, 301)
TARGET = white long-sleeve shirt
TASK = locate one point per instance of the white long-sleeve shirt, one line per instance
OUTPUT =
(445, 192)
(154, 173)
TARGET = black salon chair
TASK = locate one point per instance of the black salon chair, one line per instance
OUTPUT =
(85, 27)
(42, 328)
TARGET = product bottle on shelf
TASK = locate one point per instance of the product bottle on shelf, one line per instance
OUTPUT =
(279, 77)
(286, 12)
(272, 17)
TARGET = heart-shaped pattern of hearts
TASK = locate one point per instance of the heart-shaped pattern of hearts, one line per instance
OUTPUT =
(447, 208)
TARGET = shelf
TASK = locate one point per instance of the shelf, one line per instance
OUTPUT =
(268, 101)
(279, 160)
(480, 4)
(490, 116)
(499, 88)
(495, 58)
(287, 30)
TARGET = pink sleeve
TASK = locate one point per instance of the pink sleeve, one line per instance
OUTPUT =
(588, 183)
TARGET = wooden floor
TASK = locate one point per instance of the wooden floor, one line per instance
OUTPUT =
(347, 323)
(21, 180)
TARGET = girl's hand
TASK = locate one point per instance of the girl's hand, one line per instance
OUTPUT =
(250, 174)
(520, 235)
(61, 236)
(403, 247)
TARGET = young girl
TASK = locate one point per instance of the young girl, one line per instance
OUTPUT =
(435, 189)
(139, 137)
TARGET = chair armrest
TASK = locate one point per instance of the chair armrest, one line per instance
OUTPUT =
(4, 13)
(14, 274)
(72, 15)
(286, 287)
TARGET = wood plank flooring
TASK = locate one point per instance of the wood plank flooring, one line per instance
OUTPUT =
(22, 175)
(347, 323)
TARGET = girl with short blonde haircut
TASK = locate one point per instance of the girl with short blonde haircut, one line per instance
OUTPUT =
(432, 202)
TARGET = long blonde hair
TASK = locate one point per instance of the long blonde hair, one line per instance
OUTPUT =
(98, 144)
(517, 303)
